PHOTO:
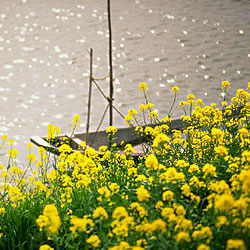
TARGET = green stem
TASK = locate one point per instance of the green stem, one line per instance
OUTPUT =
(169, 113)
(191, 109)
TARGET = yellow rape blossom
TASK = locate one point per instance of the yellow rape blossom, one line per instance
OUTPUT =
(128, 119)
(30, 146)
(180, 210)
(76, 120)
(120, 227)
(203, 247)
(242, 95)
(171, 175)
(159, 205)
(141, 242)
(101, 213)
(103, 148)
(140, 209)
(221, 150)
(168, 196)
(203, 233)
(12, 153)
(190, 97)
(140, 178)
(182, 237)
(142, 108)
(175, 89)
(132, 112)
(104, 191)
(153, 115)
(122, 246)
(142, 194)
(5, 174)
(182, 104)
(160, 139)
(246, 224)
(83, 144)
(111, 130)
(235, 244)
(224, 202)
(221, 220)
(4, 138)
(152, 162)
(150, 105)
(209, 169)
(245, 157)
(52, 131)
(45, 247)
(49, 219)
(64, 148)
(199, 102)
(114, 187)
(93, 240)
(143, 86)
(119, 212)
(166, 119)
(186, 190)
(168, 213)
(217, 133)
(31, 157)
(225, 85)
(224, 104)
(80, 224)
(129, 148)
(2, 210)
(243, 132)
(159, 225)
(193, 168)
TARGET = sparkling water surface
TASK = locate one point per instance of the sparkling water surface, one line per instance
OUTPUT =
(44, 66)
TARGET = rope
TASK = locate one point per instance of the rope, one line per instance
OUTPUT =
(96, 84)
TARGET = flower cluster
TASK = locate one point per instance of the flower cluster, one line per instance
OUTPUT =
(49, 220)
(190, 190)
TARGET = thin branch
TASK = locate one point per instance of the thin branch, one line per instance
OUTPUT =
(100, 123)
(111, 87)
(90, 93)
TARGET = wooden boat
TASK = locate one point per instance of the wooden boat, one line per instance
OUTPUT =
(128, 135)
(96, 139)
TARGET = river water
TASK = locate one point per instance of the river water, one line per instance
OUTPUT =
(44, 64)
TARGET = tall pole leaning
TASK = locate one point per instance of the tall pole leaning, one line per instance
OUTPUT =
(90, 94)
(111, 87)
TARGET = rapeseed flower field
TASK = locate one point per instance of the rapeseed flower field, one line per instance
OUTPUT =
(190, 189)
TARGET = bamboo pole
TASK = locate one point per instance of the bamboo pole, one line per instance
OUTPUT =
(90, 93)
(111, 87)
(101, 121)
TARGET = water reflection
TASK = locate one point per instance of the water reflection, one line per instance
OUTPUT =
(45, 66)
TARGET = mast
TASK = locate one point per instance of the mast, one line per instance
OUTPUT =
(111, 87)
(90, 93)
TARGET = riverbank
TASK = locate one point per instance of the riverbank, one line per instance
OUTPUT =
(191, 190)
